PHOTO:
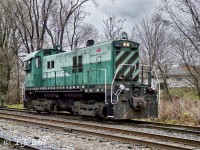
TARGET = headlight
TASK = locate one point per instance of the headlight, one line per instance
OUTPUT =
(124, 44)
(122, 87)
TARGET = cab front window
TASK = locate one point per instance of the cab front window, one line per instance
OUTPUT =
(27, 65)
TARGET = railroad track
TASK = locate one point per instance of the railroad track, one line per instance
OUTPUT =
(129, 136)
(136, 123)
(157, 125)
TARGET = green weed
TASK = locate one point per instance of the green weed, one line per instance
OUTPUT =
(15, 106)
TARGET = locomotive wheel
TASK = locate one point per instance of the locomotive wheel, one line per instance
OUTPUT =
(51, 109)
(71, 112)
(55, 107)
(29, 106)
(97, 117)
(28, 110)
(38, 111)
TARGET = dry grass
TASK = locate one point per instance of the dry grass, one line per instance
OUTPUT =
(180, 111)
(16, 106)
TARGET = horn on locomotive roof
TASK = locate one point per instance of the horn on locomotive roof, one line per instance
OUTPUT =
(90, 43)
(57, 47)
(124, 36)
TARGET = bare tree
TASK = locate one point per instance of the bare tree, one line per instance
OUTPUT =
(72, 27)
(86, 32)
(60, 17)
(31, 17)
(113, 27)
(79, 32)
(184, 18)
(17, 69)
(7, 56)
(153, 34)
(35, 18)
(27, 24)
(189, 59)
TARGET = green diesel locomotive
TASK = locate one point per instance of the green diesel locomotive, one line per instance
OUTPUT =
(101, 80)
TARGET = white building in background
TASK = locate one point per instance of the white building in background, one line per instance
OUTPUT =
(178, 77)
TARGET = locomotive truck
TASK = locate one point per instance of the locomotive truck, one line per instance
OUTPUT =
(101, 80)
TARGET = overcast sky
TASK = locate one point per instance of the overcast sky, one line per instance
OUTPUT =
(131, 10)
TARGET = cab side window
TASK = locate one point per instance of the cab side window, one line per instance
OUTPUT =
(80, 64)
(74, 67)
(38, 62)
(50, 64)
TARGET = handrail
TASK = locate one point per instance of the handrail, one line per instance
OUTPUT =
(115, 77)
(158, 99)
(154, 69)
(105, 85)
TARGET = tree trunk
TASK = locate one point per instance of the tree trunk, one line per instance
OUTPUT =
(18, 83)
(198, 92)
(166, 87)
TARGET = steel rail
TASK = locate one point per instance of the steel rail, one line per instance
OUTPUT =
(170, 129)
(159, 126)
(195, 128)
(115, 130)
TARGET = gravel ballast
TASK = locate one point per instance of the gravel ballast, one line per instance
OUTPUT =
(46, 138)
(55, 139)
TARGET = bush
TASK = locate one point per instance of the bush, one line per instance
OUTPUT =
(183, 109)
(184, 93)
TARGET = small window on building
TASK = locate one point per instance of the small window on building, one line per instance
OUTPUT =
(179, 78)
(52, 64)
(74, 62)
(48, 65)
(38, 62)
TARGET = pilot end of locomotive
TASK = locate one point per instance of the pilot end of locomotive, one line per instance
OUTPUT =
(137, 103)
(134, 101)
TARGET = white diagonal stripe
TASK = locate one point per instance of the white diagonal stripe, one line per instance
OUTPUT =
(119, 55)
(126, 60)
(133, 63)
